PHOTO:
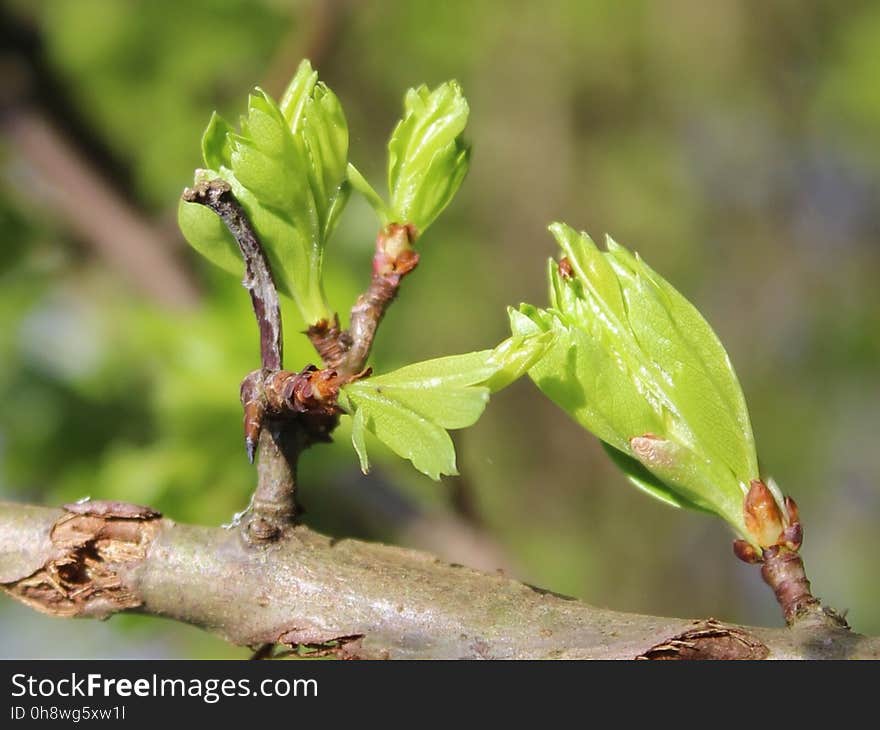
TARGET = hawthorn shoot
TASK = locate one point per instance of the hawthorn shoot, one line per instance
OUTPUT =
(286, 167)
(637, 365)
(619, 348)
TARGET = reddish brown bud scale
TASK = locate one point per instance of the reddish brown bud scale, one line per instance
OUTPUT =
(308, 397)
(325, 385)
(394, 251)
(792, 509)
(793, 537)
(762, 515)
(310, 390)
(254, 412)
(253, 402)
(746, 552)
(330, 341)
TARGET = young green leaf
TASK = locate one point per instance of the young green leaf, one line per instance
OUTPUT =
(216, 145)
(325, 134)
(410, 409)
(637, 365)
(295, 96)
(207, 234)
(358, 439)
(287, 168)
(408, 434)
(427, 158)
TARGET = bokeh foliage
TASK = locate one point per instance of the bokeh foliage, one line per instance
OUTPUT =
(735, 144)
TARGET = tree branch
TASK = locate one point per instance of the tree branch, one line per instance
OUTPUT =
(284, 412)
(347, 351)
(217, 195)
(345, 597)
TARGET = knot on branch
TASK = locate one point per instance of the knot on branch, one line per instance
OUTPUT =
(92, 542)
(306, 399)
(284, 413)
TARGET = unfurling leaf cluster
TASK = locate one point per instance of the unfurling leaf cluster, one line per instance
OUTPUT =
(635, 363)
(427, 158)
(286, 166)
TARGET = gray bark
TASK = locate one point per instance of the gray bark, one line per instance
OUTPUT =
(345, 597)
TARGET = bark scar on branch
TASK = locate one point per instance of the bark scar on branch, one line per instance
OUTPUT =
(91, 542)
(709, 639)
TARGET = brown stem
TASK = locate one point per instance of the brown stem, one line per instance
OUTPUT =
(217, 195)
(783, 570)
(274, 506)
(347, 597)
(348, 351)
(284, 412)
(278, 437)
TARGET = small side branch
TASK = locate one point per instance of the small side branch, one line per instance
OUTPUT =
(780, 533)
(276, 433)
(285, 412)
(217, 195)
(347, 351)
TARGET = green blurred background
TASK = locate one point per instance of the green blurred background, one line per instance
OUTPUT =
(736, 145)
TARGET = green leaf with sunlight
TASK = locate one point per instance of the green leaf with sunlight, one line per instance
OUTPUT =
(207, 234)
(637, 365)
(427, 158)
(287, 167)
(411, 409)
